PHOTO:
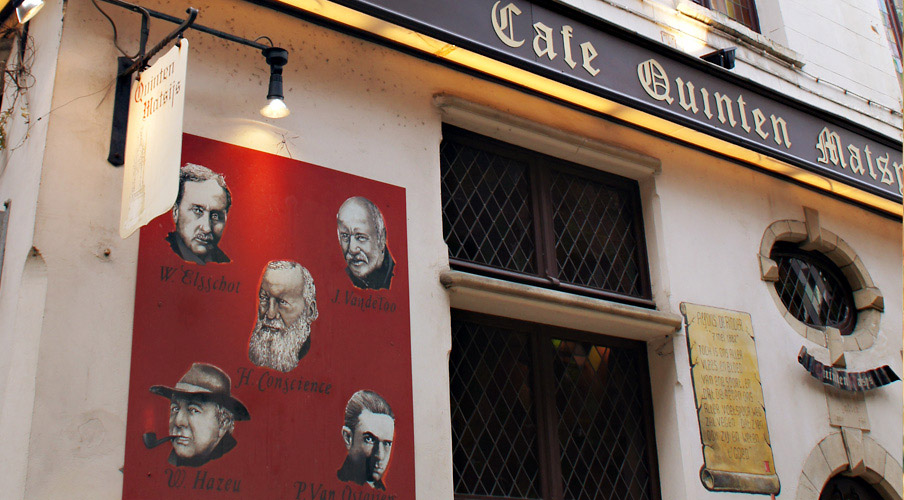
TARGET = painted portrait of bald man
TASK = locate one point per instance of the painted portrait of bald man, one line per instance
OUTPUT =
(362, 238)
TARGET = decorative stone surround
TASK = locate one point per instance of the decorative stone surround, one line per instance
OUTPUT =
(867, 297)
(855, 454)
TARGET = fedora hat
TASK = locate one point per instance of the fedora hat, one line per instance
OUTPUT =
(207, 383)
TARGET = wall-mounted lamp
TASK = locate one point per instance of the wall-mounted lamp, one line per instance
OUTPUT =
(721, 57)
(276, 58)
(276, 106)
(26, 9)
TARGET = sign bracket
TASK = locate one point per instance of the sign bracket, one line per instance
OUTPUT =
(127, 66)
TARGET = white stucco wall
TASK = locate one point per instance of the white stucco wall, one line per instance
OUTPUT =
(368, 110)
(714, 217)
(23, 280)
(845, 43)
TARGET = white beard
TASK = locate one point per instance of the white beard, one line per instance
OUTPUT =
(278, 349)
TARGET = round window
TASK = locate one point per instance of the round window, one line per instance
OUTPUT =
(848, 488)
(813, 289)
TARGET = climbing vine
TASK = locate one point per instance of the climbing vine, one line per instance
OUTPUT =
(17, 79)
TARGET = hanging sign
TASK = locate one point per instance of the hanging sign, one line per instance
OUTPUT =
(737, 452)
(153, 141)
(845, 380)
(271, 353)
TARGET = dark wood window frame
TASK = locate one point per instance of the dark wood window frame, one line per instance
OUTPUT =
(848, 488)
(721, 7)
(540, 166)
(544, 405)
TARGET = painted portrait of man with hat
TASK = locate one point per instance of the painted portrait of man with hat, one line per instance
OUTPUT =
(202, 415)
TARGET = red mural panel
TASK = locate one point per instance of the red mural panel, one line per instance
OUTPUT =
(271, 352)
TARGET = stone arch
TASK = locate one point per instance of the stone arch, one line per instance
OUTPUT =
(809, 235)
(830, 457)
(20, 381)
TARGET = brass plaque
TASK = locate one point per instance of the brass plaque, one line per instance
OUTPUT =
(737, 453)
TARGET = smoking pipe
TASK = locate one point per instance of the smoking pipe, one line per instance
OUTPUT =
(151, 441)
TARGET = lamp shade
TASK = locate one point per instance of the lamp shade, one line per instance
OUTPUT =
(26, 9)
(276, 108)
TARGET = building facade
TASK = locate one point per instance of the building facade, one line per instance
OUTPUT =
(604, 266)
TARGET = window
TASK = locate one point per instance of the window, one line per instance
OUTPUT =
(848, 488)
(813, 288)
(817, 280)
(742, 11)
(519, 215)
(546, 413)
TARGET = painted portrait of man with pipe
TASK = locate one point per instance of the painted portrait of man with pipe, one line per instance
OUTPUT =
(202, 416)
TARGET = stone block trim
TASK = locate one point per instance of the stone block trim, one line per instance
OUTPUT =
(835, 455)
(874, 457)
(891, 483)
(836, 347)
(811, 235)
(768, 269)
(853, 444)
(830, 457)
(869, 298)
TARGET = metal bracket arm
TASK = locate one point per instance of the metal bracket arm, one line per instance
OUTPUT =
(124, 70)
(141, 62)
(126, 66)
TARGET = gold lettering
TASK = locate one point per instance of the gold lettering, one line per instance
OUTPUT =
(777, 122)
(654, 80)
(706, 111)
(720, 99)
(566, 43)
(758, 120)
(829, 146)
(589, 54)
(682, 100)
(502, 20)
(856, 161)
(869, 162)
(742, 107)
(882, 164)
(899, 173)
(544, 33)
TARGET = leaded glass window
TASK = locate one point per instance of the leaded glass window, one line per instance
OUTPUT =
(742, 11)
(813, 289)
(519, 215)
(543, 413)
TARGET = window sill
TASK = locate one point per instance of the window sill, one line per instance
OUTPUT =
(727, 25)
(493, 296)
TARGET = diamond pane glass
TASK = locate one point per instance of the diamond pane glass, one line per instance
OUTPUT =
(494, 432)
(813, 289)
(601, 430)
(848, 488)
(487, 216)
(595, 235)
(742, 11)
